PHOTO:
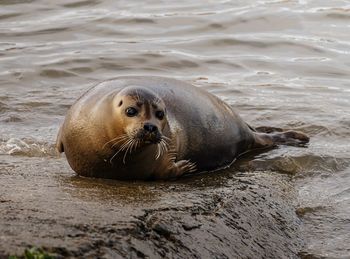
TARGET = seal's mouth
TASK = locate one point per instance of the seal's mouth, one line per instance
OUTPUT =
(128, 143)
(149, 137)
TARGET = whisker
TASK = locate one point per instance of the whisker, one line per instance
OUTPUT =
(125, 145)
(110, 161)
(158, 151)
(157, 101)
(123, 136)
(115, 143)
(161, 148)
(161, 152)
(138, 96)
(127, 149)
(166, 140)
(136, 143)
(165, 148)
(132, 145)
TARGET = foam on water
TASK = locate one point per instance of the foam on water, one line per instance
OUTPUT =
(27, 147)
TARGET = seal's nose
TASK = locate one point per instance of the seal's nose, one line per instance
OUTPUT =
(150, 127)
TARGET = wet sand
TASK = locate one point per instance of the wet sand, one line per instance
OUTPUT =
(221, 215)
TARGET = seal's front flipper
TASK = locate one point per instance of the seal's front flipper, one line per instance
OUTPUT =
(184, 166)
(177, 169)
(290, 137)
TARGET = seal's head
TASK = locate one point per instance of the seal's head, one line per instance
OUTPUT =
(141, 116)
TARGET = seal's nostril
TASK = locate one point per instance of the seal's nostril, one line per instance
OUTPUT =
(150, 127)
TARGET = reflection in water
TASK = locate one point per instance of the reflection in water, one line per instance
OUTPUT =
(279, 63)
(103, 190)
(141, 192)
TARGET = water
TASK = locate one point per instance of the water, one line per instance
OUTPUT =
(279, 63)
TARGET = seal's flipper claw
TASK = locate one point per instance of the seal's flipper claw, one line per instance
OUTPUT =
(186, 166)
(178, 169)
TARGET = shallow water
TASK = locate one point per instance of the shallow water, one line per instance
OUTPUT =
(279, 63)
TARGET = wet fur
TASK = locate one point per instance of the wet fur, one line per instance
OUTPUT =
(201, 132)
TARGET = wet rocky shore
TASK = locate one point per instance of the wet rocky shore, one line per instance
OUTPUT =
(227, 214)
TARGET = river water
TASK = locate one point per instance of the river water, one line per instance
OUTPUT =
(279, 63)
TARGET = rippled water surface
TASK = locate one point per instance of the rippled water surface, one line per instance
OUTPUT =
(279, 63)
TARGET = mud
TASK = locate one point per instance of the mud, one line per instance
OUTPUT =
(223, 215)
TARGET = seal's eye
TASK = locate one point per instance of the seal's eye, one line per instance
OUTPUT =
(160, 115)
(131, 112)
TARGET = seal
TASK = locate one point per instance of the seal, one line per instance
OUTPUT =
(145, 127)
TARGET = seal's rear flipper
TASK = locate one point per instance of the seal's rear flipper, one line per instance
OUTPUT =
(290, 137)
(267, 129)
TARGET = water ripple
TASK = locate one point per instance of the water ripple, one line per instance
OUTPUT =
(279, 63)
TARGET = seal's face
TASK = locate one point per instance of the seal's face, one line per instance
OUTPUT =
(143, 119)
(142, 116)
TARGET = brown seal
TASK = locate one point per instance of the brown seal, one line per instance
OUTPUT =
(157, 128)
